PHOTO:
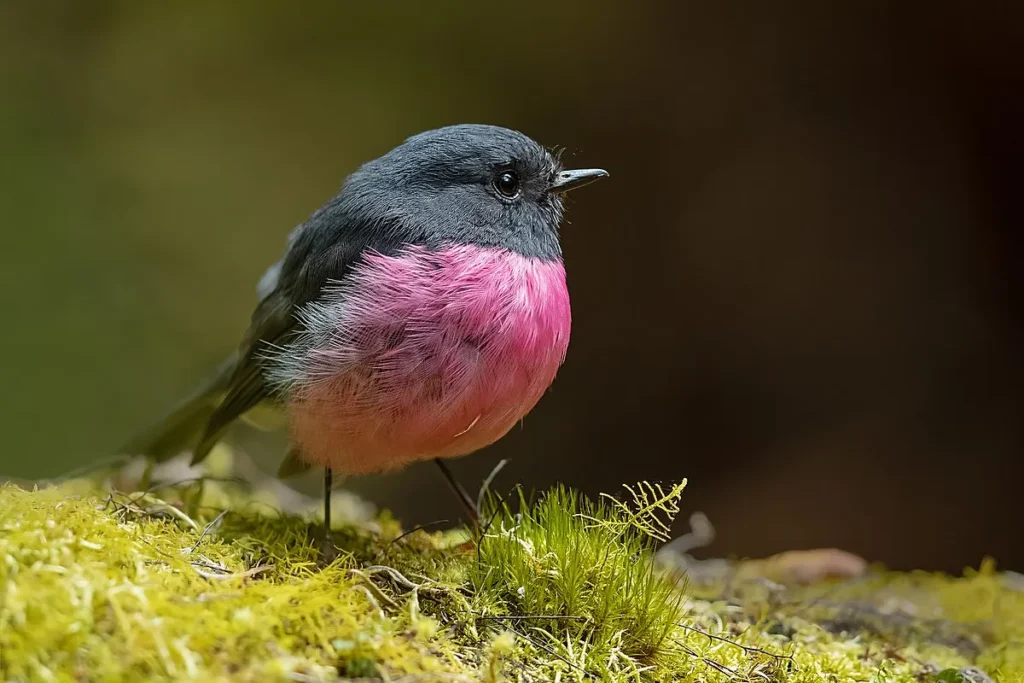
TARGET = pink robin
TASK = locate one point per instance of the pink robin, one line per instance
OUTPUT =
(419, 314)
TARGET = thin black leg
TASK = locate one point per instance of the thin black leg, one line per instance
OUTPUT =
(467, 502)
(328, 549)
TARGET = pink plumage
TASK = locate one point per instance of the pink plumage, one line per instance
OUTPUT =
(425, 354)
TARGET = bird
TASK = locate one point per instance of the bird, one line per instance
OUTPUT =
(418, 314)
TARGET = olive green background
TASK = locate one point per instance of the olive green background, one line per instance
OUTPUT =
(798, 287)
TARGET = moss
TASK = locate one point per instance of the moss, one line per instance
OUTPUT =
(200, 582)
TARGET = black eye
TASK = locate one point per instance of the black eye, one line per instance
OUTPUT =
(507, 184)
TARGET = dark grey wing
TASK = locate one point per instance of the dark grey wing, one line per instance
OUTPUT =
(320, 250)
(235, 388)
(271, 324)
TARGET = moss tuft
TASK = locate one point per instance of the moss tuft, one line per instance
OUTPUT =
(575, 580)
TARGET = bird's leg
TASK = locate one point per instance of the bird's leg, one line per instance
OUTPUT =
(467, 503)
(328, 551)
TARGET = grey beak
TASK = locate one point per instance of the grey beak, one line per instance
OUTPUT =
(570, 180)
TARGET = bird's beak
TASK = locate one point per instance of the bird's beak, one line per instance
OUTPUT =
(570, 180)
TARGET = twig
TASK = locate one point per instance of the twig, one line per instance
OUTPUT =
(700, 535)
(746, 648)
(190, 480)
(433, 675)
(721, 668)
(421, 527)
(210, 564)
(373, 600)
(161, 504)
(554, 654)
(206, 530)
(527, 617)
(376, 589)
(240, 575)
(398, 577)
(487, 482)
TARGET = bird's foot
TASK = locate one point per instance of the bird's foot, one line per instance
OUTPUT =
(328, 551)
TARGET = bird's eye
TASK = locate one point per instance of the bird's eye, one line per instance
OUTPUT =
(507, 184)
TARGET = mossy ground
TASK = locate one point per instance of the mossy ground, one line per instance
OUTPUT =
(201, 583)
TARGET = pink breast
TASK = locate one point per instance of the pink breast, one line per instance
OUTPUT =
(434, 354)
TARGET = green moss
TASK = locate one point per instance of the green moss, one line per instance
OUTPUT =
(127, 590)
(570, 577)
(201, 582)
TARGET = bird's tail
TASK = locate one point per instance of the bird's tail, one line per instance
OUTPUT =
(181, 428)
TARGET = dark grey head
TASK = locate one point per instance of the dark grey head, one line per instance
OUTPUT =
(465, 184)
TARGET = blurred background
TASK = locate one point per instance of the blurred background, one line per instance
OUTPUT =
(799, 288)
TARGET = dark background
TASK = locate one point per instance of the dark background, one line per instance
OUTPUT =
(798, 289)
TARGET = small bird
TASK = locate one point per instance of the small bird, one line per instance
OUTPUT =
(418, 314)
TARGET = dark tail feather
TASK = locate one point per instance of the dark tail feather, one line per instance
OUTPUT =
(180, 429)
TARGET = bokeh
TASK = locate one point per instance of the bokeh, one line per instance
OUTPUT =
(798, 288)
